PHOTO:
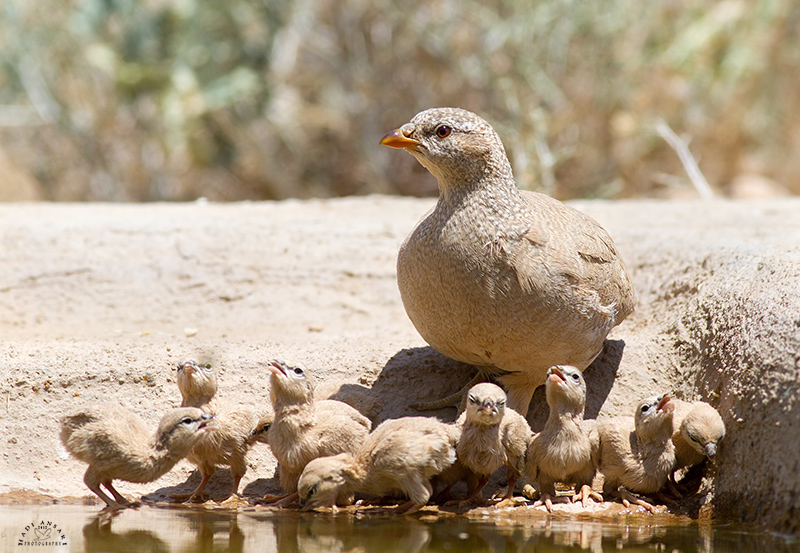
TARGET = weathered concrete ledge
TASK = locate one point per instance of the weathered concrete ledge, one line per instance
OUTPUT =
(100, 301)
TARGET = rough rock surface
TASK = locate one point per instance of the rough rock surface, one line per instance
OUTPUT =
(100, 302)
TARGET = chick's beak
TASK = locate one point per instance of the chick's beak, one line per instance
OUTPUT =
(208, 423)
(555, 375)
(711, 449)
(664, 404)
(398, 138)
(277, 368)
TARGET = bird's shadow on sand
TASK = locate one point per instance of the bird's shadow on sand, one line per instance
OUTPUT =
(218, 487)
(422, 374)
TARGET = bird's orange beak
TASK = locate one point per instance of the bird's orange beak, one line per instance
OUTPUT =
(398, 139)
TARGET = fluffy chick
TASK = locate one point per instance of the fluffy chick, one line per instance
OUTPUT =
(304, 429)
(697, 429)
(491, 437)
(400, 455)
(637, 453)
(230, 443)
(116, 444)
(567, 450)
(197, 383)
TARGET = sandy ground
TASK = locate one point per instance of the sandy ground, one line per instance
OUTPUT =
(101, 301)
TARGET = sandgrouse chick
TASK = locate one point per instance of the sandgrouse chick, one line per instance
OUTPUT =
(637, 453)
(697, 429)
(304, 429)
(116, 444)
(197, 383)
(230, 443)
(511, 281)
(491, 437)
(567, 450)
(400, 455)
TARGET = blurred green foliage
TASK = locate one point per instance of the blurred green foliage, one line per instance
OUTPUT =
(142, 100)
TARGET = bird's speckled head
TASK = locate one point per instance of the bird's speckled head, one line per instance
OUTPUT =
(290, 383)
(322, 481)
(180, 428)
(196, 379)
(486, 404)
(654, 416)
(565, 388)
(702, 428)
(457, 146)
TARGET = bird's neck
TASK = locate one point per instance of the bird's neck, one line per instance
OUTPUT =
(656, 435)
(160, 460)
(201, 402)
(565, 413)
(299, 413)
(491, 190)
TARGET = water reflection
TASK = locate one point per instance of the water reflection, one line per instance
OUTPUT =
(169, 530)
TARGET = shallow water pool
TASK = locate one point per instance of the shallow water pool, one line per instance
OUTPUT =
(62, 528)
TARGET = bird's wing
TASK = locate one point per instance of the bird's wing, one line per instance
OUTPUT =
(516, 434)
(578, 241)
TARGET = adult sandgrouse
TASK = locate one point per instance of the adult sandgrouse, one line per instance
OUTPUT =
(511, 281)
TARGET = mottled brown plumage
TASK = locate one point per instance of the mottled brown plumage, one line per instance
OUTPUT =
(400, 455)
(304, 429)
(116, 444)
(567, 450)
(230, 443)
(637, 452)
(491, 437)
(508, 280)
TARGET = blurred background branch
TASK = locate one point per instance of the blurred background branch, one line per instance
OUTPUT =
(146, 100)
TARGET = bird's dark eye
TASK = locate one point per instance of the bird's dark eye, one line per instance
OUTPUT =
(298, 370)
(473, 399)
(694, 439)
(312, 490)
(443, 131)
(187, 420)
(645, 408)
(500, 402)
(575, 377)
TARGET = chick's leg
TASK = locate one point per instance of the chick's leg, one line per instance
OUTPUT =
(628, 498)
(584, 492)
(121, 499)
(92, 481)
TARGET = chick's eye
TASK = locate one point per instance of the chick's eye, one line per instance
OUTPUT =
(575, 377)
(312, 490)
(443, 131)
(298, 370)
(473, 399)
(645, 408)
(186, 420)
